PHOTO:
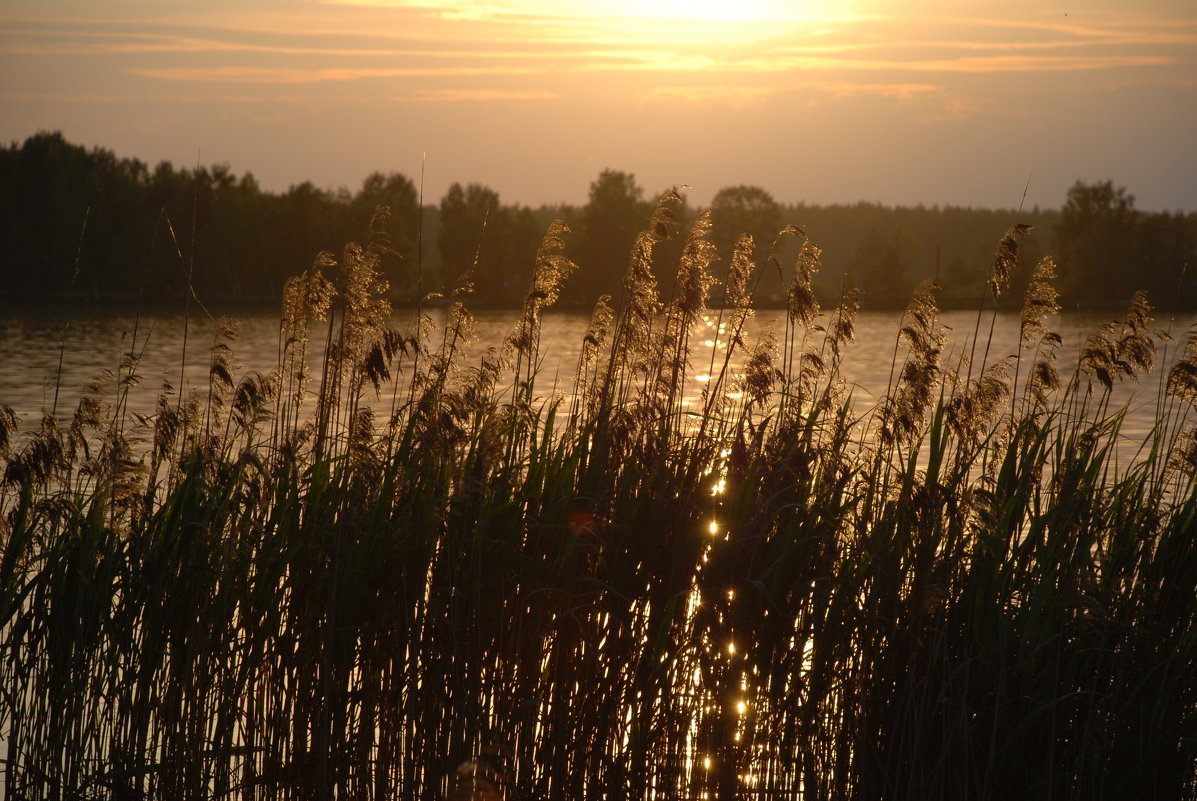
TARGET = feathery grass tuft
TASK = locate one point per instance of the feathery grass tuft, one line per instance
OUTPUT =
(278, 588)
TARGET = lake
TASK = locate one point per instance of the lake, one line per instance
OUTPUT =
(92, 341)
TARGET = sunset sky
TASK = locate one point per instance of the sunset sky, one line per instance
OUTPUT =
(899, 102)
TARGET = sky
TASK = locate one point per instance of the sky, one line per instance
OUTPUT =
(963, 103)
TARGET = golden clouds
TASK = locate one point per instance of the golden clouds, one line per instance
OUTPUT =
(645, 52)
(298, 75)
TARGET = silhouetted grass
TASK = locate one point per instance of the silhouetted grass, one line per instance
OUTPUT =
(277, 588)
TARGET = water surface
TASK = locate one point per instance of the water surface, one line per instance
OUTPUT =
(49, 351)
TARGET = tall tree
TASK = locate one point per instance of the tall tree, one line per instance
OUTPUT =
(398, 193)
(1095, 242)
(880, 270)
(479, 234)
(739, 210)
(613, 215)
(521, 238)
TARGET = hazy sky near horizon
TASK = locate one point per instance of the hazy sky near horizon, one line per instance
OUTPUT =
(921, 101)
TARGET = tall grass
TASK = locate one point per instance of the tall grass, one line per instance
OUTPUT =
(278, 588)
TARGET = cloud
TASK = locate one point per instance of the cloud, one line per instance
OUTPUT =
(149, 44)
(104, 99)
(701, 95)
(533, 51)
(299, 75)
(747, 94)
(156, 48)
(900, 91)
(1020, 63)
(474, 96)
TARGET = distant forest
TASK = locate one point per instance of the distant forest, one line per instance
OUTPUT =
(84, 224)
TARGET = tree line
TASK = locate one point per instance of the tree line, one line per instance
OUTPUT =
(78, 222)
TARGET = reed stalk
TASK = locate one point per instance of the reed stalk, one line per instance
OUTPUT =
(629, 592)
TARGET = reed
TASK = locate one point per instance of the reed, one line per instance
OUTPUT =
(262, 592)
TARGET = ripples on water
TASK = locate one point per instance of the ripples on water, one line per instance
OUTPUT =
(93, 341)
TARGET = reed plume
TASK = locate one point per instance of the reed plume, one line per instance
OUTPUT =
(1039, 303)
(903, 413)
(549, 274)
(692, 284)
(638, 306)
(802, 305)
(955, 596)
(1182, 376)
(737, 305)
(8, 427)
(1119, 350)
(1005, 259)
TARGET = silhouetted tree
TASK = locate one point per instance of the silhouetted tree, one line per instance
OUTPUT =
(608, 224)
(1166, 257)
(398, 193)
(1107, 250)
(737, 210)
(1095, 243)
(146, 227)
(880, 270)
(521, 236)
(306, 222)
(470, 238)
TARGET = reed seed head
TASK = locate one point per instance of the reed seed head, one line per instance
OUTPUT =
(1005, 259)
(694, 279)
(802, 305)
(1039, 304)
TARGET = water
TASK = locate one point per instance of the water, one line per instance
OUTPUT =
(92, 341)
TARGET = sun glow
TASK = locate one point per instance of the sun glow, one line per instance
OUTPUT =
(721, 10)
(697, 9)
